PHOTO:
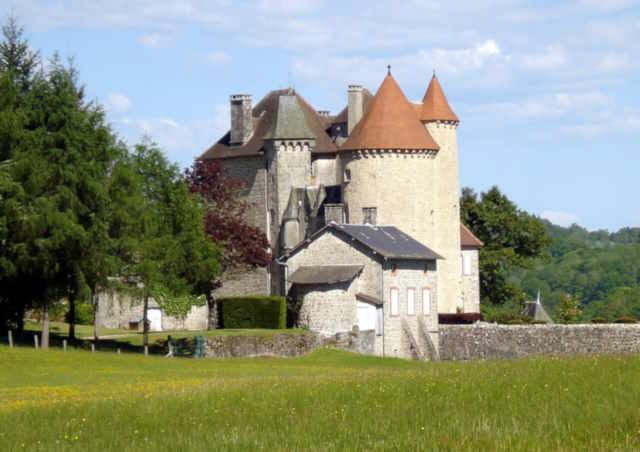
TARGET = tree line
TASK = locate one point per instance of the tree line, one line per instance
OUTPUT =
(81, 212)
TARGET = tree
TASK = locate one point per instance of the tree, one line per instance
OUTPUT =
(16, 56)
(568, 309)
(512, 238)
(245, 246)
(176, 263)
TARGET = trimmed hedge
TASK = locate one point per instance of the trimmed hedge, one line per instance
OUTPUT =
(254, 312)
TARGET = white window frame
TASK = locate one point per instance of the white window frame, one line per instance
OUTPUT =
(426, 301)
(394, 301)
(411, 301)
(466, 264)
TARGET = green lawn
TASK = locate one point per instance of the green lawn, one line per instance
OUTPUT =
(131, 341)
(328, 400)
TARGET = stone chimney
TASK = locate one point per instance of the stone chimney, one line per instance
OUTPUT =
(241, 120)
(355, 106)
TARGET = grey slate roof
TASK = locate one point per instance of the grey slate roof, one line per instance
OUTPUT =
(388, 241)
(290, 122)
(324, 274)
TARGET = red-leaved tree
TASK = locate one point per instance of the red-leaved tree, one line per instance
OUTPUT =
(246, 246)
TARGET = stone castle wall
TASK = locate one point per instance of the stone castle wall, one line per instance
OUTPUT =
(447, 216)
(490, 341)
(471, 283)
(398, 184)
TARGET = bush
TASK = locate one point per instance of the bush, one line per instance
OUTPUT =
(626, 319)
(84, 314)
(254, 312)
(599, 320)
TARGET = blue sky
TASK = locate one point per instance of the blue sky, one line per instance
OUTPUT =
(547, 92)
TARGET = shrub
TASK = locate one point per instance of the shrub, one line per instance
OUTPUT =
(625, 319)
(254, 312)
(599, 320)
(84, 314)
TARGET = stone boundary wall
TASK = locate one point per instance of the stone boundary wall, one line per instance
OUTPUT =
(491, 341)
(286, 344)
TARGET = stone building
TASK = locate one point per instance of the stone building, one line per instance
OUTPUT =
(382, 162)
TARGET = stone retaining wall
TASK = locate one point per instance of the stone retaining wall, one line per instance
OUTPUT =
(490, 341)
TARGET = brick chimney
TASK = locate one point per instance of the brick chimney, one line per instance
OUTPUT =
(241, 120)
(355, 106)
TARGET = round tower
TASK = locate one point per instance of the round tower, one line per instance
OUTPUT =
(442, 123)
(387, 167)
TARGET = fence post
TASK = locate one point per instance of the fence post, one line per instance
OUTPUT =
(146, 350)
(118, 350)
(93, 347)
(64, 345)
(35, 340)
(10, 339)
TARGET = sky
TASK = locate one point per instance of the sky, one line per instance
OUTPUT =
(547, 92)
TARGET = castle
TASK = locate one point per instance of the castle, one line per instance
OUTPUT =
(361, 210)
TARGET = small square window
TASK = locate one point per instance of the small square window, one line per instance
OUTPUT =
(369, 215)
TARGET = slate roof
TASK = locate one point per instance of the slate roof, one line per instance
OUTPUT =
(386, 241)
(467, 239)
(273, 116)
(434, 104)
(369, 299)
(390, 123)
(324, 274)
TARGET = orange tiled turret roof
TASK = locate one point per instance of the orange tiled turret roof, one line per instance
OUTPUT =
(390, 123)
(434, 104)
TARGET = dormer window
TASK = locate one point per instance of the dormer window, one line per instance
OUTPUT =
(369, 215)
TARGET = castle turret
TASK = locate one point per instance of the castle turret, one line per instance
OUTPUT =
(387, 165)
(442, 123)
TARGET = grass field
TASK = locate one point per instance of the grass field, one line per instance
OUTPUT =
(328, 400)
(131, 341)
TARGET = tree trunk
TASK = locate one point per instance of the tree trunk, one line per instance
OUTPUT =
(72, 318)
(20, 319)
(96, 307)
(213, 311)
(45, 325)
(145, 321)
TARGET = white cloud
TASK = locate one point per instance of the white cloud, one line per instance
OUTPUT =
(552, 58)
(613, 63)
(155, 40)
(564, 219)
(217, 58)
(288, 7)
(607, 5)
(118, 103)
(181, 141)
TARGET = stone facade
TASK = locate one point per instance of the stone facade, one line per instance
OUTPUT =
(404, 276)
(471, 282)
(118, 310)
(490, 341)
(446, 240)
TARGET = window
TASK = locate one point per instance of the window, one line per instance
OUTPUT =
(466, 264)
(313, 169)
(411, 301)
(426, 301)
(394, 301)
(369, 215)
(347, 175)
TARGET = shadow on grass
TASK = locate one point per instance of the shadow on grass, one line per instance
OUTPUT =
(182, 347)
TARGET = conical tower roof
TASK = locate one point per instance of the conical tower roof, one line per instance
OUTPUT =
(434, 104)
(390, 123)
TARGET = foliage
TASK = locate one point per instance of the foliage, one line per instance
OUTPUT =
(568, 309)
(254, 312)
(327, 400)
(244, 245)
(83, 314)
(512, 238)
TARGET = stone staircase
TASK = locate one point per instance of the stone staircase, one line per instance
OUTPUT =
(431, 352)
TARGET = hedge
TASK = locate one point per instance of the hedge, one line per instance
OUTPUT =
(254, 312)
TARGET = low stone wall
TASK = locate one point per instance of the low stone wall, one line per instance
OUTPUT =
(490, 341)
(279, 344)
(287, 344)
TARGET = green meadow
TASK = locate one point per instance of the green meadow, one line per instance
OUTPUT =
(328, 400)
